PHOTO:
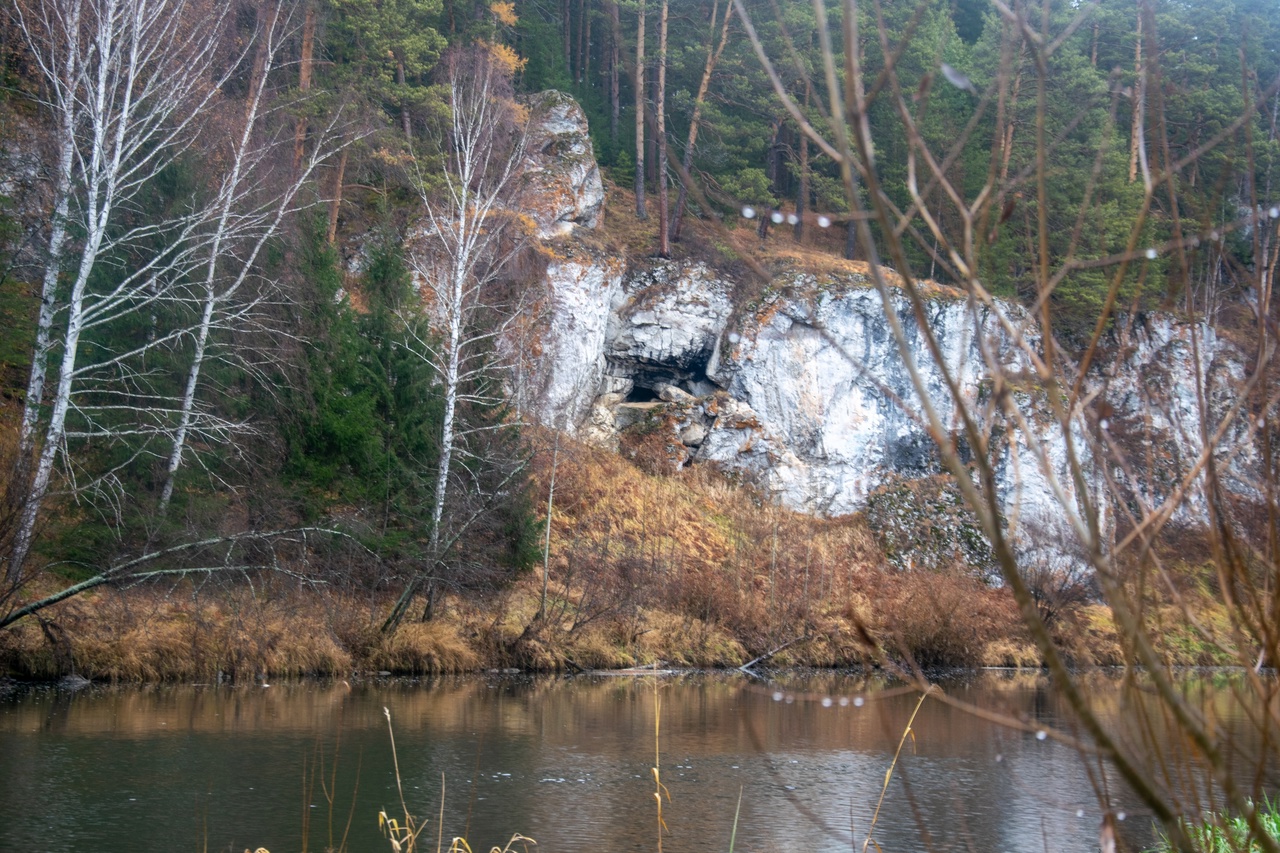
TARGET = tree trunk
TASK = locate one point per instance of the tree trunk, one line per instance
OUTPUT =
(48, 291)
(568, 28)
(773, 160)
(640, 110)
(305, 64)
(802, 193)
(713, 56)
(586, 38)
(267, 18)
(579, 71)
(1139, 103)
(615, 63)
(217, 297)
(650, 132)
(546, 545)
(664, 237)
(335, 203)
(406, 120)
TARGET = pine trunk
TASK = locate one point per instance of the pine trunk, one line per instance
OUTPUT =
(305, 65)
(664, 237)
(713, 56)
(406, 120)
(640, 110)
(1139, 104)
(615, 64)
(335, 203)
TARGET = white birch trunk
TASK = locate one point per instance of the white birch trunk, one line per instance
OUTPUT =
(127, 92)
(461, 256)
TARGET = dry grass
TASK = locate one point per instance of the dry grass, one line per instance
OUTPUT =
(145, 636)
(689, 568)
(425, 648)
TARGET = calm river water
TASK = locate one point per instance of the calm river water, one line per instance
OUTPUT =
(567, 762)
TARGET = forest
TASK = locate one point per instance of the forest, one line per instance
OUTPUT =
(227, 402)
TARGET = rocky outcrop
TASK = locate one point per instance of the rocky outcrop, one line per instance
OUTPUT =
(806, 395)
(803, 391)
(823, 406)
(562, 186)
(567, 372)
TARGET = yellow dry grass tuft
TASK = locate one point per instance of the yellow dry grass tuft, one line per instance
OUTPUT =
(1010, 653)
(425, 648)
(142, 636)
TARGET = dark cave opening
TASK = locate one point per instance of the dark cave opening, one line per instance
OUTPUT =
(642, 394)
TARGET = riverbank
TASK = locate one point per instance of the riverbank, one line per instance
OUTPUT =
(682, 566)
(187, 635)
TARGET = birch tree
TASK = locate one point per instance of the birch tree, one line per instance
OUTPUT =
(469, 236)
(240, 228)
(131, 86)
(126, 83)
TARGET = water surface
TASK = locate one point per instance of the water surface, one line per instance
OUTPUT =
(567, 762)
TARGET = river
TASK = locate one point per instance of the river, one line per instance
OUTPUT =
(799, 761)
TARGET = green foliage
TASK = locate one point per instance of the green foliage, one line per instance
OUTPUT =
(366, 413)
(750, 186)
(17, 307)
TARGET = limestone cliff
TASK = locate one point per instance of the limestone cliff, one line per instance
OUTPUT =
(803, 390)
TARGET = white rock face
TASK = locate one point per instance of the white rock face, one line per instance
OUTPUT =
(668, 317)
(570, 367)
(562, 180)
(807, 394)
(1155, 415)
(833, 410)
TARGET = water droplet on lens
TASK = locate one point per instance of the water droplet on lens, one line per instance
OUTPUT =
(792, 219)
(790, 699)
(748, 213)
(824, 222)
(826, 701)
(777, 696)
(776, 217)
(844, 701)
(1121, 815)
(858, 702)
(1041, 735)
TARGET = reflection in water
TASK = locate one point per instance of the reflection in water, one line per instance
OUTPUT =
(564, 761)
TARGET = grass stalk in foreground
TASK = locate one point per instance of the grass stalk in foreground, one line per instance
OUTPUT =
(403, 835)
(888, 774)
(659, 788)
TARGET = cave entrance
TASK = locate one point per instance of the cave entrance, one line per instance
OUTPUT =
(642, 394)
